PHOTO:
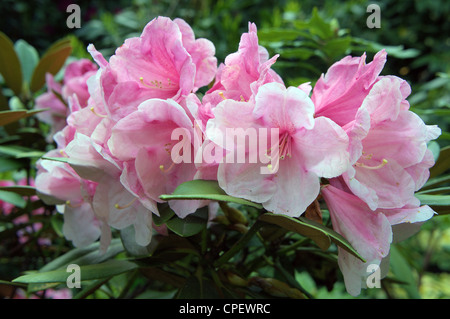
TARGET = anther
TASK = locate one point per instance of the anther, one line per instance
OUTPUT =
(161, 167)
(383, 163)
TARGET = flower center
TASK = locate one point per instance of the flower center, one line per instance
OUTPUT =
(285, 145)
(382, 164)
(155, 84)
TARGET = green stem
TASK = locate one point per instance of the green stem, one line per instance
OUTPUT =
(240, 244)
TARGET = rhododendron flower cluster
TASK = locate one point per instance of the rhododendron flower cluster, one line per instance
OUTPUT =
(350, 139)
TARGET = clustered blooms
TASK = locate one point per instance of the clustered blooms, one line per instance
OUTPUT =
(350, 139)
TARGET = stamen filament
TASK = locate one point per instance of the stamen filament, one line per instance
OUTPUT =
(153, 84)
(161, 167)
(99, 115)
(383, 163)
(117, 206)
(69, 203)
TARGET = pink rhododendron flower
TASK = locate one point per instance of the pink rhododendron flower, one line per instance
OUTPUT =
(164, 62)
(309, 148)
(76, 76)
(241, 75)
(143, 140)
(58, 111)
(135, 129)
(369, 232)
(388, 143)
(58, 183)
(56, 98)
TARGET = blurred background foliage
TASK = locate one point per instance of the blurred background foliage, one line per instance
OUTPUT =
(309, 36)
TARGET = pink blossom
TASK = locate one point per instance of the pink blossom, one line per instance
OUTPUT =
(56, 98)
(76, 76)
(58, 110)
(388, 143)
(164, 62)
(143, 142)
(57, 183)
(242, 73)
(369, 232)
(309, 148)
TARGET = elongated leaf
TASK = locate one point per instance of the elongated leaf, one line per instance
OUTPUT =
(7, 117)
(275, 35)
(300, 53)
(20, 190)
(434, 200)
(19, 151)
(203, 189)
(439, 180)
(28, 56)
(165, 213)
(51, 62)
(13, 198)
(438, 190)
(10, 65)
(7, 164)
(190, 225)
(319, 233)
(57, 159)
(442, 164)
(88, 272)
(84, 256)
(402, 271)
(3, 102)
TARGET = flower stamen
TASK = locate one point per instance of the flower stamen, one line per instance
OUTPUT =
(99, 115)
(162, 168)
(117, 206)
(382, 164)
(153, 84)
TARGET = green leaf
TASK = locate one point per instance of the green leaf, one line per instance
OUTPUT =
(203, 189)
(442, 164)
(51, 62)
(275, 35)
(13, 198)
(336, 48)
(296, 225)
(56, 159)
(191, 224)
(20, 190)
(433, 200)
(439, 190)
(10, 65)
(7, 164)
(435, 148)
(319, 27)
(300, 53)
(89, 272)
(192, 289)
(165, 213)
(3, 101)
(435, 181)
(85, 256)
(7, 117)
(29, 58)
(319, 233)
(402, 271)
